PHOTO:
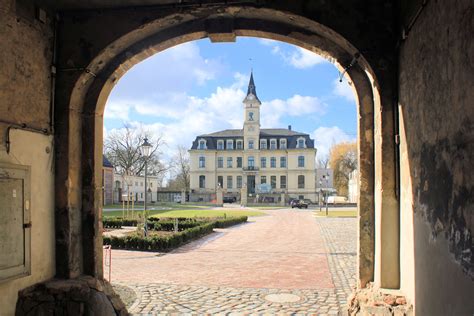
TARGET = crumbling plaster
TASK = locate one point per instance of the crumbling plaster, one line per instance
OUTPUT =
(437, 113)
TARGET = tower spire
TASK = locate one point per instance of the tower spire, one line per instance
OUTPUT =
(251, 88)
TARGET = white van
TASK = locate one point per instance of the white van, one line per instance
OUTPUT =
(335, 199)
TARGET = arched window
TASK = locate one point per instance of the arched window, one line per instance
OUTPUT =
(202, 144)
(301, 143)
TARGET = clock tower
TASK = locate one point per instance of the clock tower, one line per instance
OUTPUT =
(251, 117)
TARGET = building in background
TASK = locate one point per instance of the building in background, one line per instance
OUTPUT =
(324, 182)
(267, 162)
(107, 181)
(353, 186)
(134, 186)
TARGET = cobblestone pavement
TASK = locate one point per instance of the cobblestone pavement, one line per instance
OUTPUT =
(287, 263)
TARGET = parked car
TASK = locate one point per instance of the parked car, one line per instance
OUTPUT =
(229, 199)
(299, 204)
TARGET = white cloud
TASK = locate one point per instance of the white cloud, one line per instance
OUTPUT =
(302, 58)
(267, 42)
(299, 57)
(326, 137)
(272, 111)
(343, 89)
(176, 69)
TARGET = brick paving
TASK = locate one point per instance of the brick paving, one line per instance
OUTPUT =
(236, 270)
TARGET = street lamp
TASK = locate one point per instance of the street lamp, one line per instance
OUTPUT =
(320, 191)
(146, 150)
(327, 192)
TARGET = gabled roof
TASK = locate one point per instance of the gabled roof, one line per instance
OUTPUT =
(106, 163)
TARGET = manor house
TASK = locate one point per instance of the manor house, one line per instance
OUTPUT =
(268, 162)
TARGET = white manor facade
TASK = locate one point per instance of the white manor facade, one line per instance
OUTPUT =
(268, 163)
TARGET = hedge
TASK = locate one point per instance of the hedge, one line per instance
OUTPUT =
(166, 243)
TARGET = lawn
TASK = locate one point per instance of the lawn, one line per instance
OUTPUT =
(337, 213)
(191, 213)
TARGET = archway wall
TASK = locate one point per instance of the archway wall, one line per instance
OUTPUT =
(25, 140)
(103, 58)
(437, 145)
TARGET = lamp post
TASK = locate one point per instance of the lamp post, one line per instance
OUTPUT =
(327, 185)
(145, 149)
(319, 196)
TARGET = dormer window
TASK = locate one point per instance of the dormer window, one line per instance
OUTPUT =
(220, 144)
(301, 143)
(273, 144)
(282, 143)
(230, 144)
(202, 144)
(263, 144)
(239, 144)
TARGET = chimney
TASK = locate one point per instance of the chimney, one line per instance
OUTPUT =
(289, 127)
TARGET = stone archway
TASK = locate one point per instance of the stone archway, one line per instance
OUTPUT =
(86, 85)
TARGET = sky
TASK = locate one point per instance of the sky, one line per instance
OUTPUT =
(198, 87)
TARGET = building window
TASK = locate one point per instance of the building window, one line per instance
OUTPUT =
(263, 144)
(251, 162)
(239, 144)
(251, 144)
(239, 162)
(141, 195)
(220, 162)
(202, 182)
(273, 144)
(282, 143)
(220, 145)
(136, 183)
(282, 162)
(301, 143)
(229, 162)
(239, 182)
(230, 144)
(202, 162)
(141, 184)
(263, 179)
(301, 161)
(301, 197)
(220, 181)
(301, 182)
(273, 182)
(151, 184)
(263, 162)
(283, 182)
(273, 162)
(202, 144)
(229, 182)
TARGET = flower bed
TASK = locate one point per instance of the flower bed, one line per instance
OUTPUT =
(166, 243)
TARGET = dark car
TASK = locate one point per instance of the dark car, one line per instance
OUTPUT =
(299, 204)
(229, 199)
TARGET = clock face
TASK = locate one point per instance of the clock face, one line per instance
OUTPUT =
(251, 97)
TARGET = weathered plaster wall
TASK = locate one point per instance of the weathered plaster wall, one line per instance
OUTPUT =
(34, 150)
(436, 99)
(25, 59)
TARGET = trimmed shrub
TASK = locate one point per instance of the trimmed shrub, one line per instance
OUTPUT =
(227, 222)
(194, 230)
(112, 223)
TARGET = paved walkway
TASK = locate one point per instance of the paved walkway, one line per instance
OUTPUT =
(281, 263)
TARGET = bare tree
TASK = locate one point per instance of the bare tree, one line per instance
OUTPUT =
(181, 168)
(122, 148)
(323, 162)
(343, 160)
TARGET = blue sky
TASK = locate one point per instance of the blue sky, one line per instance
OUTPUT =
(198, 87)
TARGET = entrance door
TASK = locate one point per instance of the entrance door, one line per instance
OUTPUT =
(251, 184)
